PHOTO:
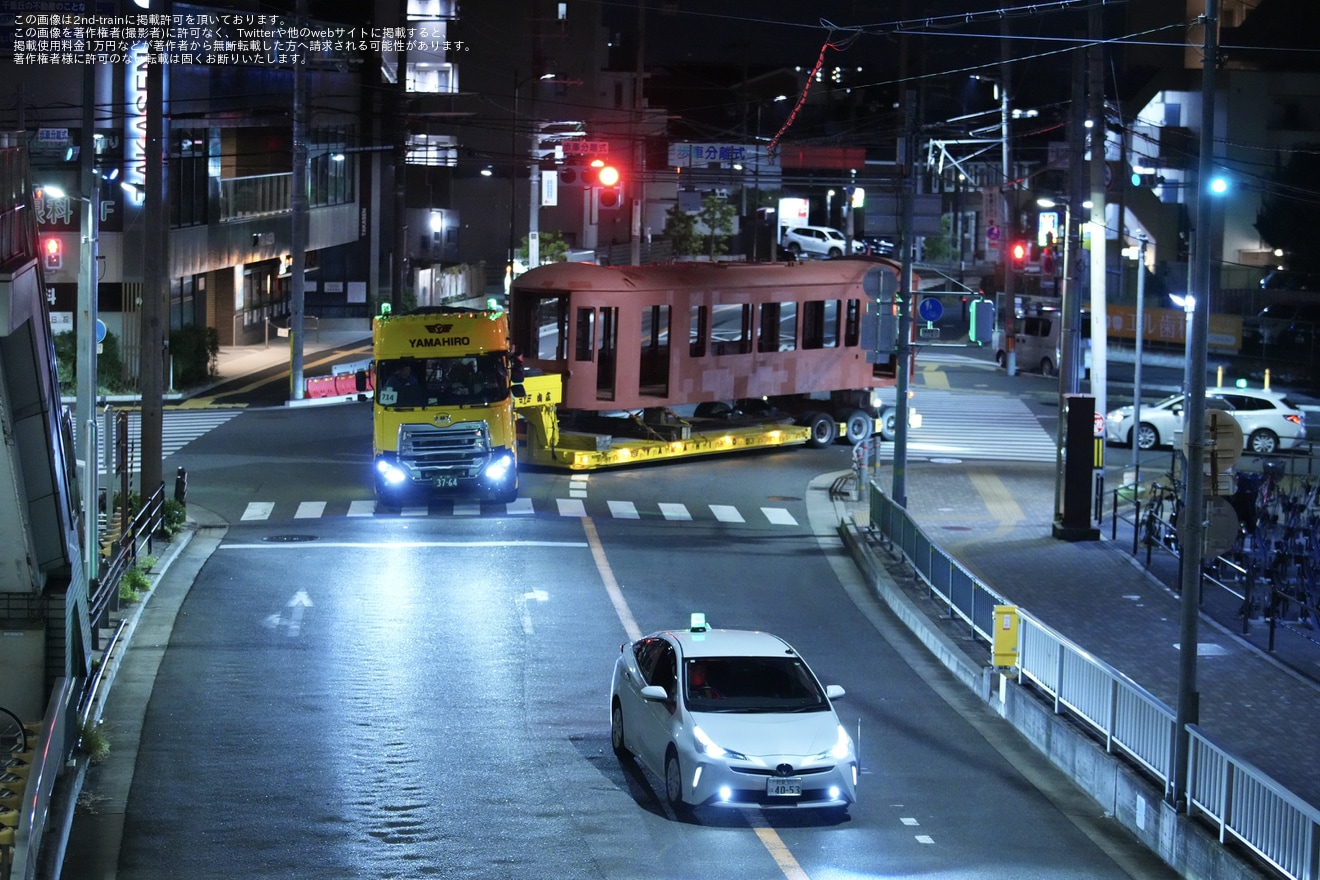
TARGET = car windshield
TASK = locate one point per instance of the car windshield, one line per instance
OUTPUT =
(751, 684)
(442, 381)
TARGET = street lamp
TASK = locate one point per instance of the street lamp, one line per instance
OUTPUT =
(87, 329)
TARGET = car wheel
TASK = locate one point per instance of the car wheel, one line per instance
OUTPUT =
(1263, 442)
(1047, 367)
(824, 431)
(1147, 436)
(857, 424)
(793, 247)
(835, 253)
(617, 741)
(674, 781)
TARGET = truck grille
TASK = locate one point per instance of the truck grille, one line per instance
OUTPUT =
(452, 450)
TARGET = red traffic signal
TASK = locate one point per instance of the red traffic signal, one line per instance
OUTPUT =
(53, 252)
(1018, 252)
(607, 179)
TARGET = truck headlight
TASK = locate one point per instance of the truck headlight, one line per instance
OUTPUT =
(498, 470)
(390, 473)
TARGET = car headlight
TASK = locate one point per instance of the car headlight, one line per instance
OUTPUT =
(841, 749)
(710, 749)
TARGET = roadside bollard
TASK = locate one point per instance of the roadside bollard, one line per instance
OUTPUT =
(181, 486)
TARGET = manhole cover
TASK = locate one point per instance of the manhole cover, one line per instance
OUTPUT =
(289, 539)
(956, 528)
(946, 461)
(782, 498)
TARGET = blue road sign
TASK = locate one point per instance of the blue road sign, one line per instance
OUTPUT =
(930, 309)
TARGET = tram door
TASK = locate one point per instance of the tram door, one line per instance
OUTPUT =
(609, 350)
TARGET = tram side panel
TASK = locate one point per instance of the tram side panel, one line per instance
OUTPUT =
(739, 349)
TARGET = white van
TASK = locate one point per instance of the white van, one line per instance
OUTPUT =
(1038, 337)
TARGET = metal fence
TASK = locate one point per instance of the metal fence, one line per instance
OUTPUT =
(1244, 804)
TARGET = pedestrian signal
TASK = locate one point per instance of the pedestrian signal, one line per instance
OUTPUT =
(983, 320)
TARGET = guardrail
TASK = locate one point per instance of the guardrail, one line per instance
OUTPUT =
(103, 591)
(1245, 804)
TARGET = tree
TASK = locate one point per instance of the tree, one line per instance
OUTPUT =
(1287, 218)
(552, 247)
(717, 216)
(681, 231)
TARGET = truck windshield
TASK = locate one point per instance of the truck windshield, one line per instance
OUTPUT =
(443, 381)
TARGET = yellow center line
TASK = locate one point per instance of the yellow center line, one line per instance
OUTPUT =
(769, 838)
(251, 386)
(778, 850)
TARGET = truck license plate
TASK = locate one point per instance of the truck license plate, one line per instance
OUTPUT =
(790, 786)
(446, 482)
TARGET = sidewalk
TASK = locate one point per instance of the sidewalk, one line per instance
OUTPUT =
(995, 519)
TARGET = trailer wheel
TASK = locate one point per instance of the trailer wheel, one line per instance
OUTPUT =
(824, 430)
(857, 425)
(889, 425)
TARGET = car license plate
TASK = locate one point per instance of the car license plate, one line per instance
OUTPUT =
(446, 482)
(790, 786)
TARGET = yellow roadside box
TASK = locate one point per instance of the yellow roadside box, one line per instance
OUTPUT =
(1005, 647)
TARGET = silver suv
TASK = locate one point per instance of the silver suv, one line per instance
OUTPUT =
(818, 241)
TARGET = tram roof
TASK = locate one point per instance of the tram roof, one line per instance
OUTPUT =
(666, 276)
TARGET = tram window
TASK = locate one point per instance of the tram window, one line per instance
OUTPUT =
(778, 331)
(820, 323)
(853, 326)
(653, 366)
(541, 330)
(731, 328)
(585, 343)
(698, 330)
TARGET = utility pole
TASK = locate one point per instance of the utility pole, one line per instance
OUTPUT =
(152, 350)
(1009, 205)
(1099, 323)
(903, 299)
(1191, 525)
(638, 173)
(298, 236)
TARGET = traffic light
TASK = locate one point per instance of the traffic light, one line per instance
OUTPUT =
(1147, 180)
(1017, 252)
(611, 187)
(53, 250)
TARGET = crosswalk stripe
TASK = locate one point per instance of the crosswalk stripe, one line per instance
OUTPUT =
(976, 426)
(571, 507)
(310, 510)
(726, 513)
(259, 511)
(178, 429)
(624, 510)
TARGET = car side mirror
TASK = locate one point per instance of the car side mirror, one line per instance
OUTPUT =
(834, 691)
(654, 692)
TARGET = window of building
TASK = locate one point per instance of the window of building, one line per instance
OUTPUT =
(188, 169)
(433, 149)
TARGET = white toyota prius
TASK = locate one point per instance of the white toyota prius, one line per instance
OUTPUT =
(730, 718)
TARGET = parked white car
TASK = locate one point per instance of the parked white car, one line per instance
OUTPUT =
(1270, 421)
(819, 241)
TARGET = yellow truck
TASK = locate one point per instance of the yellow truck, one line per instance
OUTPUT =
(443, 406)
